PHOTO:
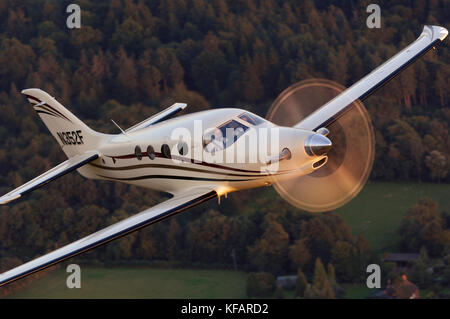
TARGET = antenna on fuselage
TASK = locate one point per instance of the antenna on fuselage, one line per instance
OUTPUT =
(123, 132)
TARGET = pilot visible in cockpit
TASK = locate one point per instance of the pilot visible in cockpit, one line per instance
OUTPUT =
(216, 141)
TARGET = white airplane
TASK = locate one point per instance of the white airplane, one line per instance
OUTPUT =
(146, 155)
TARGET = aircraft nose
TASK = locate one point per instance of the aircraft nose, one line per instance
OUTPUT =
(317, 145)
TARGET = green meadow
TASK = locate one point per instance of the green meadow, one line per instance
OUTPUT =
(139, 283)
(376, 213)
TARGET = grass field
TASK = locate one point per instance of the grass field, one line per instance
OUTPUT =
(376, 213)
(353, 291)
(152, 283)
(139, 283)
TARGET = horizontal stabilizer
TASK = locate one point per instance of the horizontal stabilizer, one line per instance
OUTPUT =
(65, 167)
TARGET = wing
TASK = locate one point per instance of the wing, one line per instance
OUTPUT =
(325, 115)
(161, 116)
(176, 204)
(65, 167)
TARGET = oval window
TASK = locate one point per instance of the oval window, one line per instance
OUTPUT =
(138, 152)
(165, 151)
(182, 148)
(150, 152)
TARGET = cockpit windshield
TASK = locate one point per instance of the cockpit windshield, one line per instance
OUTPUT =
(251, 118)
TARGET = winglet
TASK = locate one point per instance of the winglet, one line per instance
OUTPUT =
(435, 32)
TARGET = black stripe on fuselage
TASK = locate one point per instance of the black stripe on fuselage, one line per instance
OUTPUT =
(134, 167)
(188, 160)
(187, 178)
(170, 212)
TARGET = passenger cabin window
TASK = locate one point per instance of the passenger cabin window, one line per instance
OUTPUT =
(165, 151)
(182, 148)
(150, 152)
(138, 152)
(224, 136)
(251, 118)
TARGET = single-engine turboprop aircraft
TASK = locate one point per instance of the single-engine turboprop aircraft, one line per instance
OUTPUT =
(148, 155)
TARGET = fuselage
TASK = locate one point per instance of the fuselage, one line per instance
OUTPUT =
(171, 156)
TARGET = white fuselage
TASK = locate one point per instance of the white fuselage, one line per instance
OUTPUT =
(195, 166)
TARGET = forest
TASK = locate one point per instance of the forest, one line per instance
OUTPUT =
(132, 58)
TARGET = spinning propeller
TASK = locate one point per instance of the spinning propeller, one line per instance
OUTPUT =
(351, 155)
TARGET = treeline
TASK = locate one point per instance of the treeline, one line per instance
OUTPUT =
(131, 55)
(424, 226)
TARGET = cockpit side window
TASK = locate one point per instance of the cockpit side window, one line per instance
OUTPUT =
(251, 118)
(231, 131)
(224, 135)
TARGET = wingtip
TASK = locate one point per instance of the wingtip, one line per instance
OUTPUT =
(435, 32)
(444, 33)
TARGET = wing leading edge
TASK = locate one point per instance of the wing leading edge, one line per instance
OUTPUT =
(175, 205)
(328, 113)
(65, 167)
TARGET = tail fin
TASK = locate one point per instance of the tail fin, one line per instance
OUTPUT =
(73, 135)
